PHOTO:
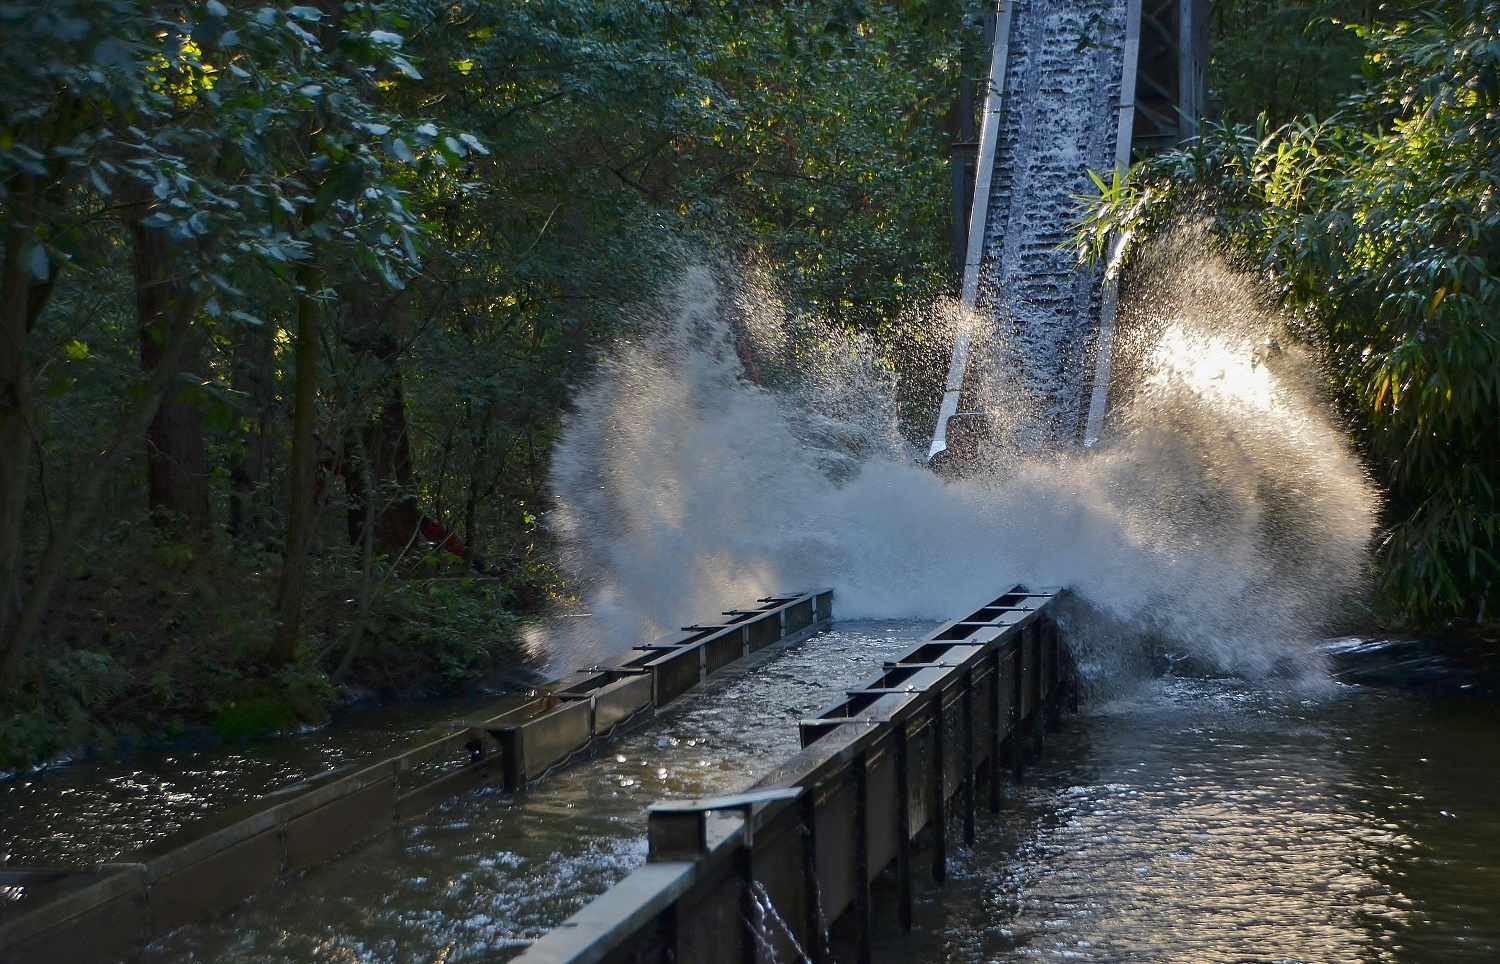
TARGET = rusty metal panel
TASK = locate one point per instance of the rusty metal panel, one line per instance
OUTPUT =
(880, 808)
(708, 924)
(221, 880)
(415, 801)
(1033, 644)
(115, 929)
(719, 651)
(798, 617)
(651, 944)
(833, 832)
(676, 673)
(333, 828)
(621, 700)
(1027, 688)
(764, 631)
(986, 733)
(546, 740)
(919, 761)
(1051, 658)
(779, 866)
(953, 741)
(1010, 672)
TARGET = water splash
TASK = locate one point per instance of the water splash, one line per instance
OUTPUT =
(1222, 517)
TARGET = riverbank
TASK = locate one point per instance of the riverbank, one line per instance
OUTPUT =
(158, 640)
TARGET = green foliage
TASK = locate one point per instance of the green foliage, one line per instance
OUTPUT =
(62, 711)
(146, 641)
(1382, 227)
(257, 713)
(1286, 58)
(835, 159)
(482, 194)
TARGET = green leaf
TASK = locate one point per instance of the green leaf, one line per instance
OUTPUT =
(39, 264)
(398, 149)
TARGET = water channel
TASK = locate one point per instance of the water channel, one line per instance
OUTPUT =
(1179, 819)
(1219, 820)
(482, 877)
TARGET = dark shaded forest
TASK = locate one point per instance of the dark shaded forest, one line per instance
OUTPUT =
(292, 297)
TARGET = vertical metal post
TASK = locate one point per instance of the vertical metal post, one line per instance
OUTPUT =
(666, 932)
(939, 803)
(903, 830)
(997, 742)
(1192, 63)
(746, 863)
(989, 133)
(968, 728)
(1017, 719)
(1052, 660)
(1110, 296)
(1036, 729)
(863, 948)
(817, 937)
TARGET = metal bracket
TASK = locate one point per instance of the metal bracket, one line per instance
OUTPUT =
(678, 829)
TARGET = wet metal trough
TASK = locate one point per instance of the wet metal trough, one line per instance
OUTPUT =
(112, 910)
(784, 872)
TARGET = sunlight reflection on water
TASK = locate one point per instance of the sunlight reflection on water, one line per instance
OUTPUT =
(1207, 820)
(486, 875)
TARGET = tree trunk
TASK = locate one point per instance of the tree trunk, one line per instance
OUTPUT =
(380, 476)
(176, 459)
(15, 412)
(291, 594)
(253, 378)
(133, 421)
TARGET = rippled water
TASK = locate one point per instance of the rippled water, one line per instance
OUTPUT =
(482, 878)
(105, 809)
(1209, 820)
(1190, 820)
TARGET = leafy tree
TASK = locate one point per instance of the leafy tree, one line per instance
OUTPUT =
(1382, 227)
(1286, 58)
(212, 215)
(113, 92)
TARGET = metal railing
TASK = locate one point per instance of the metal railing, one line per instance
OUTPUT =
(113, 909)
(771, 873)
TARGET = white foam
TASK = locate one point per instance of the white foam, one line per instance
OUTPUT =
(1223, 517)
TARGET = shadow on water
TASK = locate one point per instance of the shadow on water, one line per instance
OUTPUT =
(103, 809)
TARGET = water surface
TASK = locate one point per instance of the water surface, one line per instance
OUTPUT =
(1218, 820)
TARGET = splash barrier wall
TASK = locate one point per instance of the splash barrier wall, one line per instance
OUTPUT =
(776, 873)
(112, 910)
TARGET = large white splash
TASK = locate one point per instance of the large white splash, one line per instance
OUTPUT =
(1222, 517)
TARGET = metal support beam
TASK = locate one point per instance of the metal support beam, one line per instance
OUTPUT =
(979, 213)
